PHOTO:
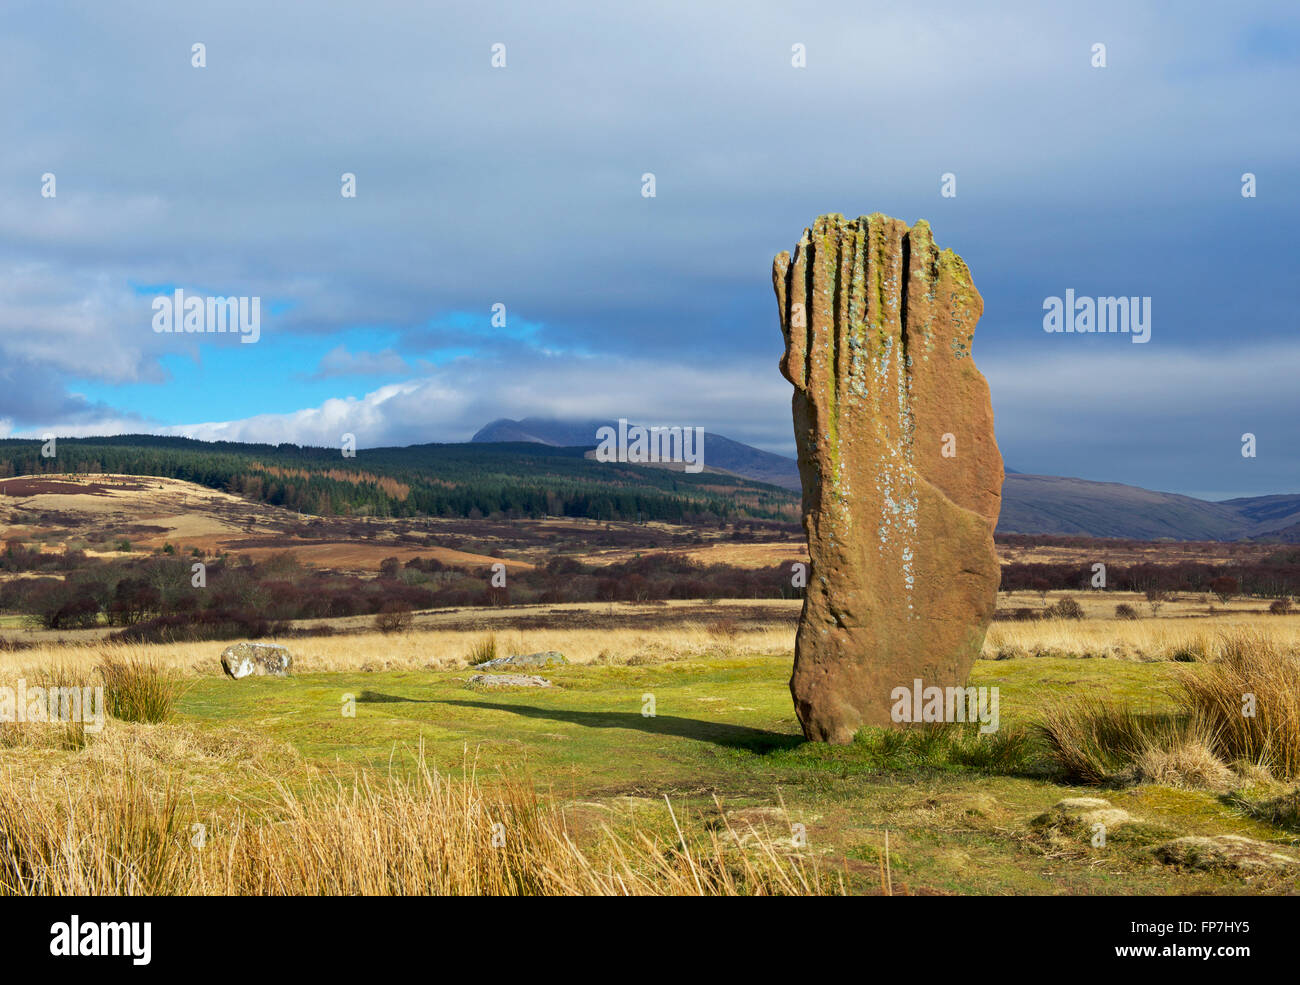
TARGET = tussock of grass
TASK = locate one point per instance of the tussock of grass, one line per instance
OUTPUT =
(137, 689)
(1188, 762)
(1097, 741)
(1281, 812)
(483, 650)
(1104, 742)
(939, 746)
(1252, 673)
(1195, 649)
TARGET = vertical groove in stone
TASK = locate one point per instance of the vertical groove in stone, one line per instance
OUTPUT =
(906, 282)
(806, 286)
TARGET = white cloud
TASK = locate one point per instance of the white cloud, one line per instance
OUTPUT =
(340, 362)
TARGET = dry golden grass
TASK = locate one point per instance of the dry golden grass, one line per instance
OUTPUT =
(1187, 762)
(111, 833)
(1182, 631)
(424, 648)
(1240, 707)
(1250, 698)
(441, 640)
(1100, 741)
(737, 554)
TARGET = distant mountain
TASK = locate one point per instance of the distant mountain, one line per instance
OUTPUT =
(1047, 504)
(1276, 516)
(720, 453)
(1031, 504)
(561, 434)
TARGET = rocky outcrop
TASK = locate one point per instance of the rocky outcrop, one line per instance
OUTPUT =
(256, 659)
(900, 469)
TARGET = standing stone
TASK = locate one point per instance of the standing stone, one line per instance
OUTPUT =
(256, 659)
(902, 477)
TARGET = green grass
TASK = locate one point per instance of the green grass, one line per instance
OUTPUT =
(957, 805)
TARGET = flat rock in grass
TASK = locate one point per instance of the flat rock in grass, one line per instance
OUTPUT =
(256, 660)
(1084, 812)
(1225, 852)
(545, 658)
(508, 680)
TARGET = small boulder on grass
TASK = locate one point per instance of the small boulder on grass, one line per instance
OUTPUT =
(256, 660)
(507, 680)
(546, 658)
(1076, 813)
(1231, 853)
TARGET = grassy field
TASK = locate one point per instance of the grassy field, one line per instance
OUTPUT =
(718, 776)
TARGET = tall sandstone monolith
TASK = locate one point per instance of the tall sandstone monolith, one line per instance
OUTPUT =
(902, 477)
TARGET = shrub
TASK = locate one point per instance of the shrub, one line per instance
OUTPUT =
(1125, 611)
(394, 617)
(206, 624)
(1225, 587)
(137, 690)
(1280, 607)
(1066, 608)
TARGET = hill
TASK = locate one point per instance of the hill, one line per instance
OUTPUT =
(1031, 504)
(534, 478)
(445, 480)
(721, 454)
(1043, 504)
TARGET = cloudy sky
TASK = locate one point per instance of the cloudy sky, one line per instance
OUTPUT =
(522, 185)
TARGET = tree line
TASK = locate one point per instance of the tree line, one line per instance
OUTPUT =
(455, 480)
